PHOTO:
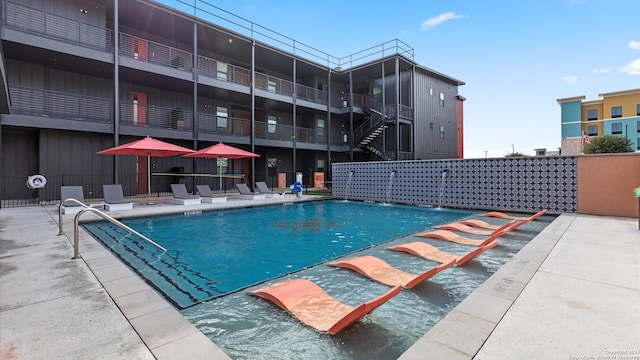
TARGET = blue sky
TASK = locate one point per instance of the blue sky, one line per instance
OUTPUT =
(515, 57)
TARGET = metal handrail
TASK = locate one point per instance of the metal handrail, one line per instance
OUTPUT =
(76, 252)
(60, 232)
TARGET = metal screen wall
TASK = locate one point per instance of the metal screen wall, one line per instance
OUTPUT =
(509, 184)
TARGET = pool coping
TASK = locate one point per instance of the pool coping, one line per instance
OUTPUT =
(459, 335)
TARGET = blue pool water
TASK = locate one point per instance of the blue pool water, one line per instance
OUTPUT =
(211, 255)
(215, 253)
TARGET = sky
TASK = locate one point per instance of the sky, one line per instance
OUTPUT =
(516, 58)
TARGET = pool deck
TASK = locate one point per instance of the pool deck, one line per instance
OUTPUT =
(571, 293)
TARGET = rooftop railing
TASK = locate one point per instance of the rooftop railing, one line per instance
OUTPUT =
(209, 12)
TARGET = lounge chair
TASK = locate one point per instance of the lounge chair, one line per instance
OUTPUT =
(505, 216)
(114, 199)
(207, 196)
(264, 189)
(246, 194)
(182, 197)
(317, 309)
(380, 271)
(77, 193)
(479, 223)
(432, 253)
(451, 236)
(457, 226)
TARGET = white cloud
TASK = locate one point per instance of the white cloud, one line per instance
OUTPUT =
(435, 21)
(602, 70)
(570, 78)
(632, 68)
(634, 45)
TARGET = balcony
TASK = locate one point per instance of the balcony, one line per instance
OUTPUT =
(223, 71)
(155, 53)
(221, 125)
(273, 84)
(311, 94)
(32, 20)
(155, 117)
(29, 101)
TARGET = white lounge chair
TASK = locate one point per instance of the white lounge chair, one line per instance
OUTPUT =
(114, 199)
(207, 196)
(246, 194)
(182, 197)
(264, 189)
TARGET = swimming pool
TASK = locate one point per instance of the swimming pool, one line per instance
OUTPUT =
(249, 327)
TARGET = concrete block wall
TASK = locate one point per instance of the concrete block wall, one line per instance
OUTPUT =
(507, 184)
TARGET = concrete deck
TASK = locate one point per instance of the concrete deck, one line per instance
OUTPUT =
(572, 293)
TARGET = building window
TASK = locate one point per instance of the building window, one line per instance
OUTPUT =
(441, 99)
(441, 131)
(540, 152)
(616, 128)
(638, 126)
(638, 110)
(592, 115)
(222, 114)
(222, 72)
(271, 85)
(638, 142)
(320, 127)
(320, 164)
(616, 111)
(272, 123)
(592, 130)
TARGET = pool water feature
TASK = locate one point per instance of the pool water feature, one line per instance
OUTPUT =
(249, 327)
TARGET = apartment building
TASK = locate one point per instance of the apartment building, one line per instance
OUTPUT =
(615, 113)
(83, 76)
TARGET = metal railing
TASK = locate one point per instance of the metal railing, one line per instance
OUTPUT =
(311, 94)
(273, 84)
(204, 9)
(213, 124)
(155, 116)
(223, 71)
(265, 130)
(76, 225)
(153, 52)
(28, 19)
(30, 101)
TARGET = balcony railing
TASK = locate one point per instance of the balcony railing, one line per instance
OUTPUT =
(274, 84)
(311, 94)
(29, 19)
(223, 71)
(213, 124)
(273, 131)
(29, 101)
(342, 100)
(152, 52)
(155, 117)
(310, 136)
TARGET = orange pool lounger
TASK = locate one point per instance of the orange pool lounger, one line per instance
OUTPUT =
(430, 252)
(314, 307)
(380, 271)
(505, 216)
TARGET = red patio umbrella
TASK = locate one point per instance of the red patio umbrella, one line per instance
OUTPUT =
(222, 151)
(149, 147)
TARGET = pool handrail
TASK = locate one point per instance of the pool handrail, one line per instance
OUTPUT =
(76, 250)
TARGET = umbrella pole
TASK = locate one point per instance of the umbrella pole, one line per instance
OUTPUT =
(220, 176)
(149, 202)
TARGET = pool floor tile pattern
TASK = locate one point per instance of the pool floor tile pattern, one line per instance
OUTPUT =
(593, 309)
